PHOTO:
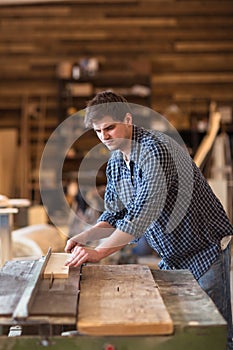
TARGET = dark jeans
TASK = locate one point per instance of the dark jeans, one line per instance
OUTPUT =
(216, 283)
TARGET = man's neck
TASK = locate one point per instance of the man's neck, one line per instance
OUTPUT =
(127, 149)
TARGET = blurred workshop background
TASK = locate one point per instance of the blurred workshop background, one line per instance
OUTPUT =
(173, 56)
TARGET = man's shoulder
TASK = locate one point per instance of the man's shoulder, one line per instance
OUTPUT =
(141, 133)
(149, 138)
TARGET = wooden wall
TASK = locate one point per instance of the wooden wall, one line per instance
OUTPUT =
(188, 44)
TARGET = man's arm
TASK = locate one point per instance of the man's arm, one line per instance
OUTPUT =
(115, 242)
(100, 230)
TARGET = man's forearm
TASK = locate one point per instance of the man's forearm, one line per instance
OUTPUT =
(115, 242)
(98, 231)
(81, 254)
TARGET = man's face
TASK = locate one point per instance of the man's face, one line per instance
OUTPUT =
(114, 134)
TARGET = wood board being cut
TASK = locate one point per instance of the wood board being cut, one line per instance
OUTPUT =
(121, 300)
(56, 266)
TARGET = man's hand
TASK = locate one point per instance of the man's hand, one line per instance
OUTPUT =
(81, 255)
(71, 244)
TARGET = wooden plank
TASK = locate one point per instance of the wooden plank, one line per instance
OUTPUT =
(176, 8)
(194, 7)
(198, 325)
(29, 11)
(188, 304)
(121, 300)
(219, 21)
(14, 277)
(192, 78)
(13, 88)
(208, 141)
(194, 62)
(224, 95)
(203, 46)
(27, 2)
(60, 299)
(105, 34)
(100, 22)
(56, 266)
(22, 309)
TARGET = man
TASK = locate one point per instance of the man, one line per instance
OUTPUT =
(155, 190)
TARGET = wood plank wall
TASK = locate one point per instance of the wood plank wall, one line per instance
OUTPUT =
(188, 44)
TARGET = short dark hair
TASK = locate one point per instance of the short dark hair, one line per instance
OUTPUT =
(106, 103)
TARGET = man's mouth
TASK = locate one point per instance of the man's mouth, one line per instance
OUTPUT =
(108, 143)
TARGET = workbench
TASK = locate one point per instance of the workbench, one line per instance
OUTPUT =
(6, 223)
(8, 207)
(52, 320)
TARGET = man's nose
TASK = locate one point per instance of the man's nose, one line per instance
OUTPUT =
(104, 135)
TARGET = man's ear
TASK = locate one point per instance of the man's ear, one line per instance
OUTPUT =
(128, 119)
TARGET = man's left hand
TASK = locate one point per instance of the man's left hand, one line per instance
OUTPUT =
(81, 255)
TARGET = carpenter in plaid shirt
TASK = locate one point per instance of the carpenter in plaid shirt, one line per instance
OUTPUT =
(155, 189)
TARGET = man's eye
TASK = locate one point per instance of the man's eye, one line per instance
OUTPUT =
(110, 127)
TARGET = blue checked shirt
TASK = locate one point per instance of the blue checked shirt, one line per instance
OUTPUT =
(164, 196)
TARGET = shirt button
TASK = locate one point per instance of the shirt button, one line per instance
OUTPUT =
(161, 254)
(173, 268)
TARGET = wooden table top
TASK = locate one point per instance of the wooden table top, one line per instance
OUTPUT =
(186, 303)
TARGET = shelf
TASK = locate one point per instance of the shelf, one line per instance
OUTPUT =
(73, 94)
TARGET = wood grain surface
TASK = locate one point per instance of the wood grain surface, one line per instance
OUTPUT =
(121, 300)
(56, 266)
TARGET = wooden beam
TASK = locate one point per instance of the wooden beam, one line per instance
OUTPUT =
(121, 300)
(203, 46)
(27, 2)
(39, 2)
(180, 78)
